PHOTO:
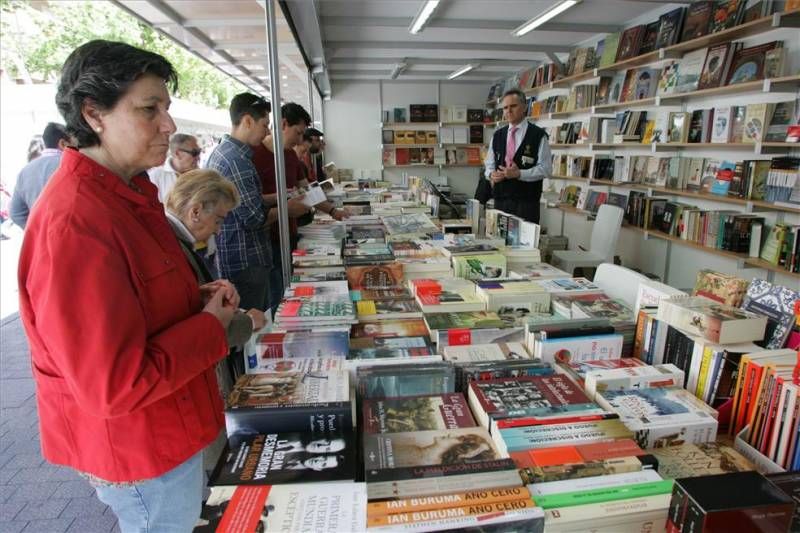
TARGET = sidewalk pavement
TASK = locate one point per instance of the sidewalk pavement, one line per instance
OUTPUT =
(36, 496)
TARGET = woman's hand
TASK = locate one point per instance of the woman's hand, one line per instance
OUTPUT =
(258, 318)
(340, 214)
(230, 294)
(220, 308)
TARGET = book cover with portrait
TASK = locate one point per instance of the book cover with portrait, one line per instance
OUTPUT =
(287, 457)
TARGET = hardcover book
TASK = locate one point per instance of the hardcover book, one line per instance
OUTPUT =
(670, 26)
(776, 302)
(302, 344)
(711, 320)
(480, 266)
(630, 43)
(748, 63)
(689, 70)
(698, 20)
(287, 457)
(417, 413)
(715, 66)
(724, 288)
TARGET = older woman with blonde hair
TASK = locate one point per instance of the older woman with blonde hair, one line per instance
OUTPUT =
(196, 207)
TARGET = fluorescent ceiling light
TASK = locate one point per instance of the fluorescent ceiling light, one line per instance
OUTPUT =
(461, 71)
(398, 69)
(538, 20)
(422, 16)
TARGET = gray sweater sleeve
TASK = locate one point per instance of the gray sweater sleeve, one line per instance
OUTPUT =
(240, 329)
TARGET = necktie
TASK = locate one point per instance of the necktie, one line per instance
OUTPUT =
(511, 146)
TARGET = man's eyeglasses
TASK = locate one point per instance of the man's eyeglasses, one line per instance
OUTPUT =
(193, 153)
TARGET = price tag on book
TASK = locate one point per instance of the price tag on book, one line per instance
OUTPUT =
(459, 337)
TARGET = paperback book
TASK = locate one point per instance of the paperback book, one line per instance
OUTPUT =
(417, 413)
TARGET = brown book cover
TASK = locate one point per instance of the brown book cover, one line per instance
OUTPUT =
(375, 276)
(650, 37)
(698, 20)
(630, 43)
(748, 63)
(717, 60)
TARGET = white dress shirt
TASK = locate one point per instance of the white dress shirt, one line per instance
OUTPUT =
(538, 172)
(164, 178)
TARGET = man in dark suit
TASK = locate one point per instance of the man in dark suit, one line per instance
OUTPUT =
(516, 163)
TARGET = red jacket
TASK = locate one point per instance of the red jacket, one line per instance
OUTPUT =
(122, 354)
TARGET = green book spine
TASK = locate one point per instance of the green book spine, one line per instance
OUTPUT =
(583, 497)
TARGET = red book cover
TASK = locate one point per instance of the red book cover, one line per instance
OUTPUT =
(580, 453)
(505, 423)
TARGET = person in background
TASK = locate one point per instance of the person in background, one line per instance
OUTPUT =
(294, 121)
(34, 176)
(196, 207)
(184, 155)
(313, 160)
(517, 162)
(123, 341)
(243, 249)
(303, 149)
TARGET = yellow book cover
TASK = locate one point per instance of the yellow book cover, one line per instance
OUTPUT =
(650, 127)
(443, 501)
(448, 512)
(705, 364)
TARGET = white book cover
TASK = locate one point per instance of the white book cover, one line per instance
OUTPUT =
(333, 507)
(486, 352)
(689, 70)
(577, 349)
(460, 135)
(721, 128)
(446, 135)
(593, 482)
(638, 377)
(611, 517)
(569, 285)
(530, 519)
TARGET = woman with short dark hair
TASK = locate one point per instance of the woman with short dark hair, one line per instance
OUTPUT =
(123, 340)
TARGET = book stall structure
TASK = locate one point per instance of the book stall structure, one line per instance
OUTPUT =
(689, 123)
(420, 380)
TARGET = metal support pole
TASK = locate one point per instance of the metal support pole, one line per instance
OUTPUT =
(311, 98)
(277, 140)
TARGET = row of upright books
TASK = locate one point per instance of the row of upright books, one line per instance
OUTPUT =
(458, 401)
(760, 122)
(680, 25)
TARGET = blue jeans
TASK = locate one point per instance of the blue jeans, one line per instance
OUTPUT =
(252, 283)
(169, 503)
(276, 288)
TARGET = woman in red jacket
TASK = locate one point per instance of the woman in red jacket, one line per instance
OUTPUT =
(123, 341)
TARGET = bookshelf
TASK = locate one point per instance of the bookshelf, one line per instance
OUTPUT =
(759, 148)
(742, 260)
(768, 90)
(788, 19)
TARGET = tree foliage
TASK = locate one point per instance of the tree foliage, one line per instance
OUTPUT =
(40, 36)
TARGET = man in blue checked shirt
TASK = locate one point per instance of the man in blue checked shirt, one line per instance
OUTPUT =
(243, 246)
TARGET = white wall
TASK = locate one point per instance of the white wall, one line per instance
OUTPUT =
(353, 132)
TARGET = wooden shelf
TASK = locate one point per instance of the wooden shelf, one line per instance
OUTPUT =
(789, 19)
(754, 86)
(495, 124)
(424, 165)
(755, 148)
(425, 145)
(407, 125)
(630, 103)
(465, 145)
(666, 147)
(462, 124)
(562, 114)
(757, 262)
